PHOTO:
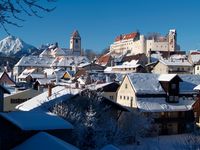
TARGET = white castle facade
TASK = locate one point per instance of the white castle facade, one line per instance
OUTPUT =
(135, 43)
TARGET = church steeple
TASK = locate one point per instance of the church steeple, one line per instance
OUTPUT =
(75, 42)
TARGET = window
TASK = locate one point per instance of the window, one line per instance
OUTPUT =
(131, 98)
(127, 97)
(126, 86)
(120, 97)
(124, 97)
(76, 40)
(18, 101)
(198, 68)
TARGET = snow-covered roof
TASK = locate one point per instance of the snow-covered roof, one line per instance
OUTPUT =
(110, 147)
(45, 141)
(175, 62)
(197, 87)
(166, 77)
(42, 102)
(35, 61)
(108, 70)
(159, 104)
(69, 61)
(194, 56)
(132, 62)
(28, 71)
(36, 120)
(49, 71)
(97, 86)
(145, 83)
(37, 76)
(127, 66)
(44, 81)
(59, 52)
(84, 64)
(148, 83)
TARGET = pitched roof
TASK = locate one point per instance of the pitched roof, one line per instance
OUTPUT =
(27, 120)
(75, 34)
(133, 57)
(197, 87)
(42, 141)
(175, 62)
(167, 77)
(148, 83)
(132, 35)
(159, 104)
(42, 102)
(104, 59)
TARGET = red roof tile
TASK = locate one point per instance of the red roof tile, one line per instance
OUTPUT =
(127, 36)
(104, 59)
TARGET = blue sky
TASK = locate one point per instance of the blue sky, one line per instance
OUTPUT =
(100, 21)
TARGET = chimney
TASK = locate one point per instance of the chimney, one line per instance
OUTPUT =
(49, 89)
(45, 74)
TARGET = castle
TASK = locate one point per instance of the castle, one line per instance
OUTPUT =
(135, 43)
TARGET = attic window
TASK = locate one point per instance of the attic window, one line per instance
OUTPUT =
(126, 86)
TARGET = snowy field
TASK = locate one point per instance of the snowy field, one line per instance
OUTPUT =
(173, 142)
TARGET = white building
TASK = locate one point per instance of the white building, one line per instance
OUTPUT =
(132, 43)
(162, 43)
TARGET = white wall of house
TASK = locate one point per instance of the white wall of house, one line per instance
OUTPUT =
(126, 94)
(160, 68)
(197, 69)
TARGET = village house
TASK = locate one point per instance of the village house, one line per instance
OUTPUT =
(16, 127)
(194, 59)
(178, 66)
(126, 67)
(53, 57)
(6, 80)
(168, 98)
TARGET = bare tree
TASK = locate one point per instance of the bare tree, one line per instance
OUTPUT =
(153, 35)
(97, 123)
(12, 10)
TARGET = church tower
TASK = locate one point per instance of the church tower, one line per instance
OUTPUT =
(75, 42)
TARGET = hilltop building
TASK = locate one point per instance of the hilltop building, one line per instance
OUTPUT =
(135, 43)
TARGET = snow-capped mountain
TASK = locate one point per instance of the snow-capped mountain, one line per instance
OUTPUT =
(12, 45)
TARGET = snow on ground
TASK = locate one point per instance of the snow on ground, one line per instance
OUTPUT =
(170, 142)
